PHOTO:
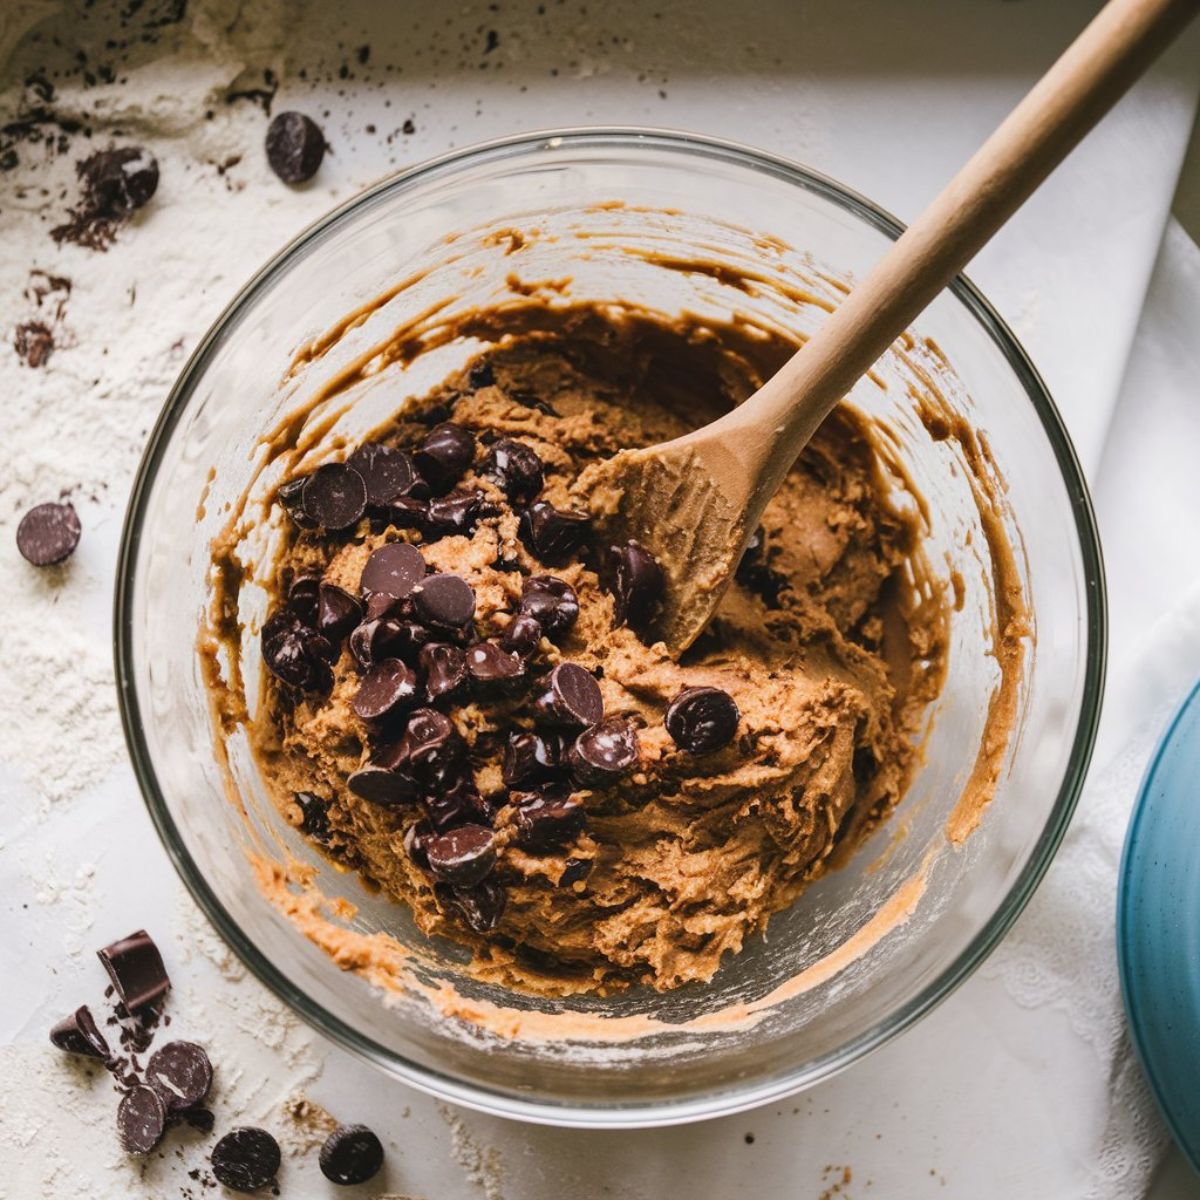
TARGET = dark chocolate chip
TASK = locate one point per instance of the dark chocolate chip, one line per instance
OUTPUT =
(454, 515)
(530, 758)
(462, 856)
(314, 816)
(517, 469)
(553, 534)
(407, 513)
(291, 496)
(548, 819)
(393, 570)
(446, 601)
(521, 636)
(551, 602)
(481, 375)
(79, 1034)
(387, 689)
(755, 572)
(456, 801)
(338, 612)
(379, 604)
(390, 637)
(445, 670)
(246, 1159)
(296, 654)
(351, 1154)
(571, 698)
(479, 907)
(638, 585)
(302, 598)
(431, 743)
(702, 719)
(141, 1120)
(388, 473)
(416, 842)
(576, 869)
(335, 496)
(532, 400)
(601, 755)
(120, 180)
(136, 969)
(379, 784)
(48, 534)
(494, 672)
(180, 1073)
(445, 454)
(295, 147)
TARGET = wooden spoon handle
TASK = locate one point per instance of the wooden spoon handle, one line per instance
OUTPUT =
(1094, 72)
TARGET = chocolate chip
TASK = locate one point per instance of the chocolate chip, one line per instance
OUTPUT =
(494, 672)
(379, 604)
(338, 612)
(79, 1034)
(295, 147)
(351, 1154)
(456, 801)
(601, 755)
(390, 637)
(388, 473)
(246, 1159)
(521, 636)
(445, 454)
(393, 570)
(480, 907)
(702, 719)
(530, 758)
(48, 534)
(454, 515)
(141, 1120)
(446, 601)
(296, 654)
(545, 820)
(517, 469)
(576, 869)
(571, 697)
(481, 375)
(638, 585)
(180, 1073)
(314, 816)
(416, 842)
(754, 571)
(551, 602)
(445, 670)
(553, 533)
(462, 856)
(302, 598)
(120, 180)
(431, 743)
(407, 513)
(378, 784)
(335, 496)
(291, 496)
(387, 689)
(136, 969)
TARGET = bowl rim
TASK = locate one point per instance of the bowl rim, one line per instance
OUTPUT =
(736, 1097)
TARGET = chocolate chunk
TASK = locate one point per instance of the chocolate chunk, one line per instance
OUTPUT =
(522, 636)
(393, 570)
(517, 469)
(456, 801)
(454, 515)
(576, 870)
(553, 534)
(388, 473)
(295, 147)
(136, 969)
(314, 816)
(702, 719)
(552, 603)
(416, 843)
(120, 180)
(601, 755)
(379, 784)
(548, 819)
(530, 758)
(303, 598)
(79, 1034)
(445, 454)
(446, 601)
(462, 856)
(291, 496)
(494, 672)
(180, 1073)
(481, 375)
(246, 1159)
(571, 698)
(480, 907)
(338, 612)
(638, 585)
(141, 1120)
(387, 689)
(351, 1154)
(445, 670)
(431, 743)
(335, 496)
(48, 534)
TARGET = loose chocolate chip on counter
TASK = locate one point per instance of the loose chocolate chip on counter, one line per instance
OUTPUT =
(351, 1154)
(445, 454)
(456, 801)
(445, 670)
(295, 147)
(246, 1159)
(79, 1034)
(530, 758)
(48, 534)
(638, 585)
(551, 602)
(431, 743)
(446, 601)
(388, 473)
(387, 689)
(462, 856)
(481, 375)
(571, 698)
(522, 636)
(314, 815)
(335, 496)
(141, 1120)
(136, 969)
(702, 719)
(553, 533)
(393, 570)
(338, 612)
(454, 515)
(302, 598)
(576, 870)
(516, 468)
(480, 907)
(378, 784)
(494, 672)
(180, 1073)
(545, 820)
(604, 753)
(291, 496)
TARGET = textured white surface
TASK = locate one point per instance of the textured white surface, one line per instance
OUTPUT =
(1005, 1089)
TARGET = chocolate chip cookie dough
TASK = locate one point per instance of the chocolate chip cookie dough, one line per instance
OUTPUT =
(466, 704)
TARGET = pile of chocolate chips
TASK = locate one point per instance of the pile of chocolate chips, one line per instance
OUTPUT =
(412, 636)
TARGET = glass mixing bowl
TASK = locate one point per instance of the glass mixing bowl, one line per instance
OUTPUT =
(610, 211)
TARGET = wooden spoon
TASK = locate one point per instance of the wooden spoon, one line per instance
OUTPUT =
(695, 501)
